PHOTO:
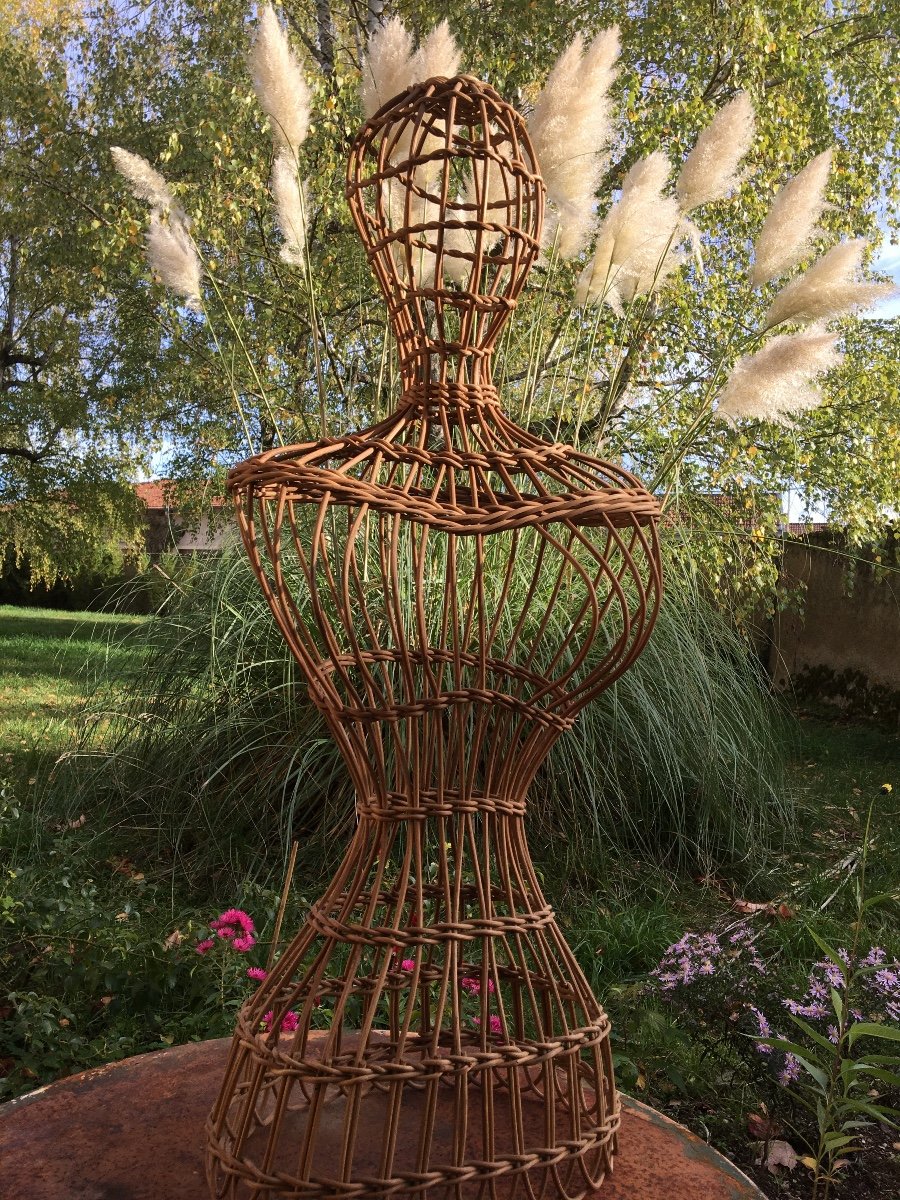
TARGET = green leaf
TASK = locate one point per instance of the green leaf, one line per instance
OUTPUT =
(891, 1078)
(837, 1004)
(807, 1060)
(836, 1141)
(887, 1033)
(814, 1035)
(829, 951)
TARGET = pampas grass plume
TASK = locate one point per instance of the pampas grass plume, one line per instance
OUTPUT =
(279, 82)
(289, 207)
(777, 380)
(437, 55)
(638, 243)
(145, 181)
(829, 288)
(570, 128)
(792, 221)
(710, 171)
(173, 256)
(387, 68)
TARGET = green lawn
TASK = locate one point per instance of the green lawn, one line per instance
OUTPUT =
(48, 662)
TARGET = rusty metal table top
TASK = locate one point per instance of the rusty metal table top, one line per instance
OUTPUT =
(133, 1130)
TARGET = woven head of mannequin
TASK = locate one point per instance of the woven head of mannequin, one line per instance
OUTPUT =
(445, 191)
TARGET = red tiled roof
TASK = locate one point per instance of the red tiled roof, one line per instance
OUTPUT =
(799, 528)
(153, 494)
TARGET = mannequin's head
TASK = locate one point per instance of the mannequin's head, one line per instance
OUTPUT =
(447, 198)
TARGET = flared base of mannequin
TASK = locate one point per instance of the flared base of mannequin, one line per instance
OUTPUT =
(135, 1130)
(500, 1132)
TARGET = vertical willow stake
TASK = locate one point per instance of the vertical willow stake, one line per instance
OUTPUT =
(509, 582)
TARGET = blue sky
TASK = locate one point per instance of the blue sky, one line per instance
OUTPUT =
(888, 261)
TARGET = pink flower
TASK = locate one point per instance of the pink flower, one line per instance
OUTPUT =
(495, 1024)
(408, 964)
(472, 985)
(257, 973)
(235, 926)
(232, 917)
(289, 1021)
(205, 945)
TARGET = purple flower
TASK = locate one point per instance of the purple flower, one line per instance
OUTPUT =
(815, 1011)
(790, 1071)
(886, 980)
(874, 958)
(765, 1029)
(833, 974)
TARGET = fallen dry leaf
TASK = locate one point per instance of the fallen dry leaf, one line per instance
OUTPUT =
(762, 1128)
(771, 908)
(781, 1154)
(175, 938)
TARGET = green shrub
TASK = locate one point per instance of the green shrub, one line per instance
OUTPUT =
(211, 756)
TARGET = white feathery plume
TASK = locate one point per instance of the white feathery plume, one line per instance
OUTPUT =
(387, 67)
(459, 270)
(639, 240)
(279, 82)
(145, 181)
(792, 220)
(437, 55)
(570, 128)
(830, 288)
(290, 208)
(777, 380)
(173, 256)
(710, 171)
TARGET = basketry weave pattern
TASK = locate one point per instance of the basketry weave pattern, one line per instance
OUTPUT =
(455, 591)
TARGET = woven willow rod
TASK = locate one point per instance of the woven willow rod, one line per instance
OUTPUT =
(455, 590)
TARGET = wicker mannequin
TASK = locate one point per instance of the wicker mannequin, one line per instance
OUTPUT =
(455, 590)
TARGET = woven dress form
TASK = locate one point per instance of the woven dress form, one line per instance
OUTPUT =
(454, 590)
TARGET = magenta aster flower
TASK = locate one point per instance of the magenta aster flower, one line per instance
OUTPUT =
(494, 1023)
(205, 945)
(472, 985)
(234, 917)
(257, 973)
(289, 1021)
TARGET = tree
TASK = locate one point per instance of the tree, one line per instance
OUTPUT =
(174, 87)
(68, 421)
